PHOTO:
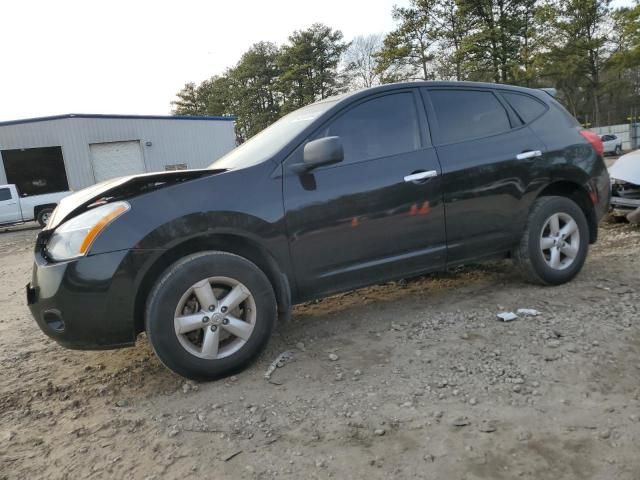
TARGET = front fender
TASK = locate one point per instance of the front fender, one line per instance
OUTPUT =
(163, 218)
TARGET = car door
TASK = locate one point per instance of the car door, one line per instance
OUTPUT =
(487, 153)
(9, 207)
(376, 215)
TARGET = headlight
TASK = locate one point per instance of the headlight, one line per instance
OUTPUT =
(73, 238)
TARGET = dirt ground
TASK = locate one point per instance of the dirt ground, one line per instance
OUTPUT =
(405, 380)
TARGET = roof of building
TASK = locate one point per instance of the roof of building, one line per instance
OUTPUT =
(106, 116)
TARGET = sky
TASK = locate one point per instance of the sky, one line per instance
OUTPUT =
(132, 56)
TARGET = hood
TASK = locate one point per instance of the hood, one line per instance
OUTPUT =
(120, 189)
(627, 168)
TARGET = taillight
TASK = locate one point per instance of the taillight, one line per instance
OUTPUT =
(594, 139)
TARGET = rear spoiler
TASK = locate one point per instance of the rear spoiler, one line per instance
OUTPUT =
(551, 91)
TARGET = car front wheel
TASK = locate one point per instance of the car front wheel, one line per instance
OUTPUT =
(210, 315)
(554, 245)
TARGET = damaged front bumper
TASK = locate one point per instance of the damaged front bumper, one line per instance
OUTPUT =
(625, 196)
(625, 201)
(625, 187)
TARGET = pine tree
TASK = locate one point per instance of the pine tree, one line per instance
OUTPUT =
(309, 66)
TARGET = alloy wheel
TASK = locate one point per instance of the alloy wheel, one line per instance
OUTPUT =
(215, 317)
(560, 241)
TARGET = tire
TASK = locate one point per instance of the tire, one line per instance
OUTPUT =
(177, 297)
(43, 216)
(534, 263)
(618, 150)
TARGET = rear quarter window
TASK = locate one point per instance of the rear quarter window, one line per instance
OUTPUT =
(527, 108)
(564, 114)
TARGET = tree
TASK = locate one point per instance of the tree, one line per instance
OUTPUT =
(408, 50)
(252, 85)
(626, 38)
(268, 81)
(578, 49)
(525, 72)
(621, 76)
(214, 93)
(451, 28)
(427, 44)
(498, 29)
(211, 97)
(188, 102)
(309, 66)
(588, 51)
(361, 62)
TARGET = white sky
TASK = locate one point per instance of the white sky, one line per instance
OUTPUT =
(132, 56)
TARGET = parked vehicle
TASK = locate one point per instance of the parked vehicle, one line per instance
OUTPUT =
(625, 187)
(380, 184)
(611, 143)
(15, 209)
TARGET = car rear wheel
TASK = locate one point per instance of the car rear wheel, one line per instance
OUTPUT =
(554, 245)
(43, 216)
(210, 315)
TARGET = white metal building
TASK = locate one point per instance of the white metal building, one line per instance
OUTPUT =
(77, 150)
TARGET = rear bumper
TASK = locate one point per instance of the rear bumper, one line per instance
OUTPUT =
(86, 303)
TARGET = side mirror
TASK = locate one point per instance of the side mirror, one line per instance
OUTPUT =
(323, 151)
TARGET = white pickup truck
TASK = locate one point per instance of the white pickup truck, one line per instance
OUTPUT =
(16, 209)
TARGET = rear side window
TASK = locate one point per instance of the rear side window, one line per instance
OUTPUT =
(467, 114)
(5, 194)
(527, 108)
(380, 127)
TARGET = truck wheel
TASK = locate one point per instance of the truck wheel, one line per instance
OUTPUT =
(554, 245)
(43, 216)
(210, 314)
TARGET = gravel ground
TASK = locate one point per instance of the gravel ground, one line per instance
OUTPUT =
(413, 379)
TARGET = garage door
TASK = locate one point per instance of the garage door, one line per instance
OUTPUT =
(116, 159)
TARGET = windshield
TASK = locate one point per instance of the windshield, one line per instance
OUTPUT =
(273, 138)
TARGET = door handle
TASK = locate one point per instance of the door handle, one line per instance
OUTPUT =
(529, 154)
(414, 177)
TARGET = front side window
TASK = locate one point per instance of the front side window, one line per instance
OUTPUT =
(5, 194)
(381, 127)
(467, 114)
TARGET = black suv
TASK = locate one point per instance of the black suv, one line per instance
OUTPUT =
(385, 183)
